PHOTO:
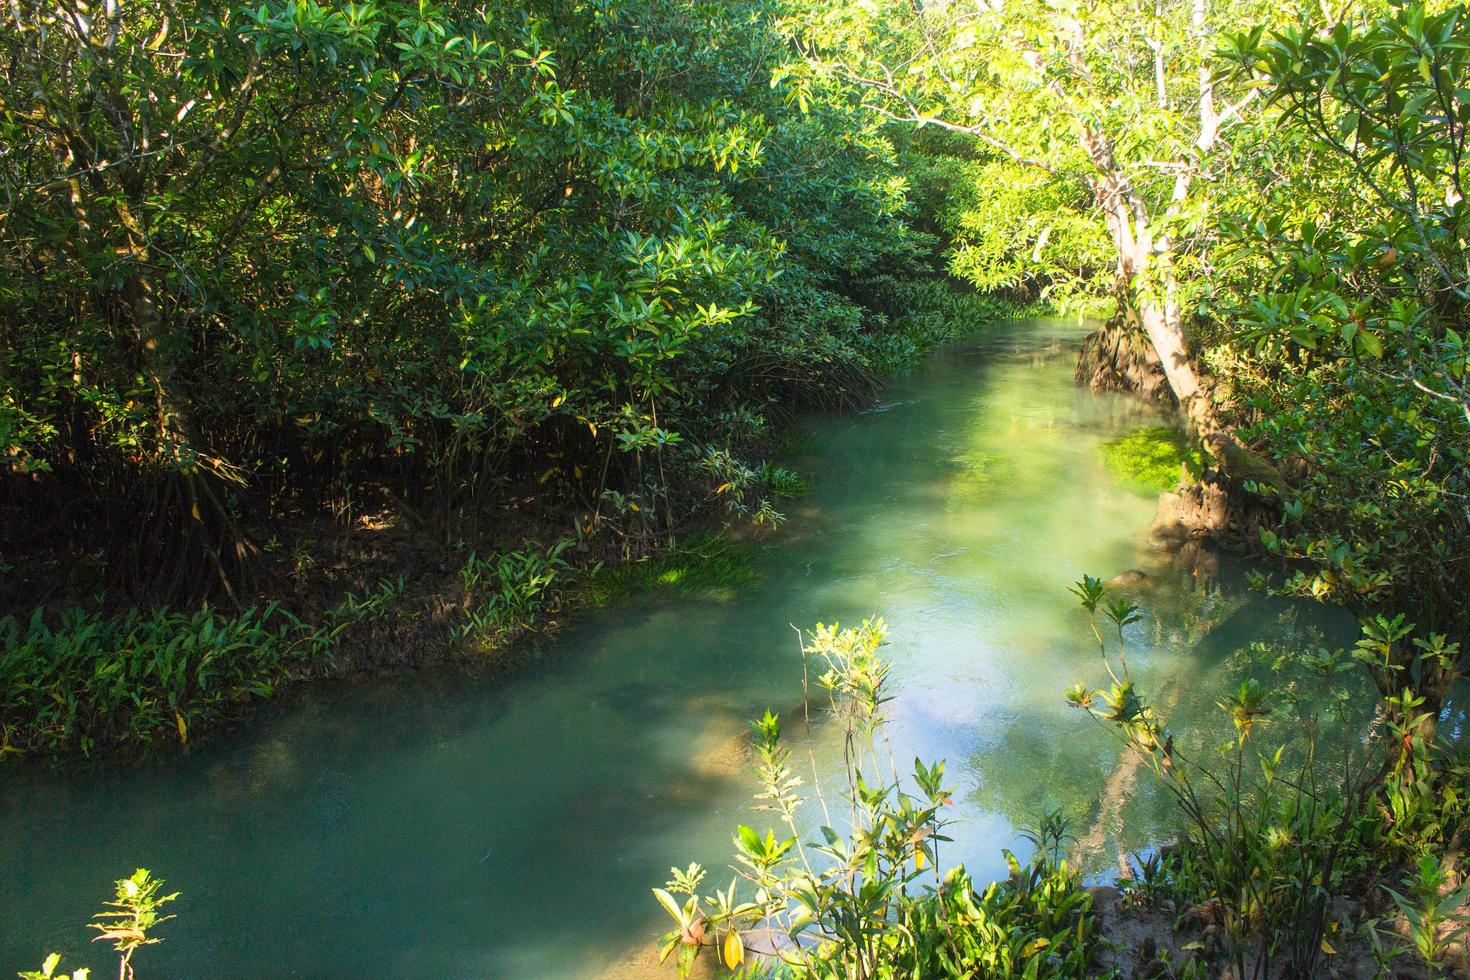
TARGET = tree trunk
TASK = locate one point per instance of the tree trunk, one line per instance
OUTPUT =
(1146, 276)
(1165, 328)
(1127, 219)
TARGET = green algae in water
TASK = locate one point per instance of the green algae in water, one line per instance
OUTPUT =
(703, 565)
(1149, 458)
(975, 472)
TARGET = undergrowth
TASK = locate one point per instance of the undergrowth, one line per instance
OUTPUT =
(509, 591)
(83, 680)
(1292, 832)
(705, 565)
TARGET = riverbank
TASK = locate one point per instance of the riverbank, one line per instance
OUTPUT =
(961, 506)
(390, 587)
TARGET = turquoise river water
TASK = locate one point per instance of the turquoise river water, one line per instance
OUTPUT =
(439, 824)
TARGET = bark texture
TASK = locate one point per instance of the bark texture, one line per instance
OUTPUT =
(1119, 357)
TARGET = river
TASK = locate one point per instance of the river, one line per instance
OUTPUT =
(440, 824)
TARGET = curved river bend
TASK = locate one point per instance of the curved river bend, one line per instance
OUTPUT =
(442, 825)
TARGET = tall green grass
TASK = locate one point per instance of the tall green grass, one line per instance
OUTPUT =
(509, 590)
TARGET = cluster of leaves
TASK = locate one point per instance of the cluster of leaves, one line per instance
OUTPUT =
(127, 921)
(258, 260)
(509, 590)
(1351, 255)
(870, 901)
(1018, 228)
(88, 680)
(1273, 839)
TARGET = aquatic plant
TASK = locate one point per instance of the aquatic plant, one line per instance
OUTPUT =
(1151, 458)
(780, 481)
(127, 921)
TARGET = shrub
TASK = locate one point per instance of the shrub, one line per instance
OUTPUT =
(871, 902)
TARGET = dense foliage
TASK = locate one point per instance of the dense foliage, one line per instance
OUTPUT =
(1351, 356)
(1101, 129)
(265, 262)
(271, 274)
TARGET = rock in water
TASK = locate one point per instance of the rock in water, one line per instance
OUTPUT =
(1129, 579)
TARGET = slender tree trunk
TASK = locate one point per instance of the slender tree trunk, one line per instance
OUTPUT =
(1146, 276)
(1168, 340)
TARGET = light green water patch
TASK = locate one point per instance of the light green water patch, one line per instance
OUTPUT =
(1151, 458)
(703, 565)
(975, 472)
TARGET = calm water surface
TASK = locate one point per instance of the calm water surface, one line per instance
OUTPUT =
(444, 825)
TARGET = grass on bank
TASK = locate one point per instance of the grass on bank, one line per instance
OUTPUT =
(83, 680)
(703, 565)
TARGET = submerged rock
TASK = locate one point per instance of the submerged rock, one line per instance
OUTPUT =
(1129, 579)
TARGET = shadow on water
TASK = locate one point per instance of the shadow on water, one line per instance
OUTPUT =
(442, 824)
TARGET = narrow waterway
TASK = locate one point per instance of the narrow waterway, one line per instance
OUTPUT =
(447, 826)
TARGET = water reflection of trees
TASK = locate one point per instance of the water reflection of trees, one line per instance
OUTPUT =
(1201, 635)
